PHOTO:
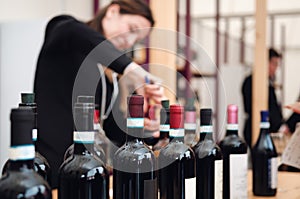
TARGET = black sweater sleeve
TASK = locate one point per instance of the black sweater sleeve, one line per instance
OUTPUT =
(94, 44)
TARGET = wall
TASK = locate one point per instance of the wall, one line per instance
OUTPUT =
(22, 26)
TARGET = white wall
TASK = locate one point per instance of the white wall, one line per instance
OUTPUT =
(22, 25)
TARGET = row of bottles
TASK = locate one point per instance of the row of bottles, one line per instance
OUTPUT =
(173, 168)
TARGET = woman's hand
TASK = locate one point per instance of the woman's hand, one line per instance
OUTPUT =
(294, 107)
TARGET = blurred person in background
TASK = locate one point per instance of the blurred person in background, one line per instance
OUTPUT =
(276, 118)
(67, 43)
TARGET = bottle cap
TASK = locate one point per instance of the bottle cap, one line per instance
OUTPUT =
(135, 106)
(232, 114)
(165, 112)
(264, 116)
(176, 117)
(27, 98)
(165, 104)
(22, 122)
(84, 116)
(206, 116)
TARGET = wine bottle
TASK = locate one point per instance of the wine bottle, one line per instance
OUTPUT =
(190, 123)
(264, 160)
(235, 159)
(98, 150)
(20, 180)
(41, 165)
(164, 127)
(209, 162)
(134, 163)
(177, 161)
(83, 175)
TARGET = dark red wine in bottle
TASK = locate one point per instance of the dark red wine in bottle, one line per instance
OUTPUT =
(264, 160)
(134, 163)
(177, 162)
(83, 175)
(209, 162)
(235, 159)
(190, 123)
(41, 165)
(164, 127)
(20, 180)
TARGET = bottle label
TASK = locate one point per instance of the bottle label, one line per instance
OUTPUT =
(34, 134)
(238, 166)
(176, 132)
(164, 127)
(206, 129)
(232, 127)
(23, 152)
(96, 126)
(150, 189)
(272, 172)
(190, 188)
(85, 137)
(265, 125)
(190, 126)
(135, 122)
(218, 179)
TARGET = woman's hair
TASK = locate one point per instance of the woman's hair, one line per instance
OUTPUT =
(134, 7)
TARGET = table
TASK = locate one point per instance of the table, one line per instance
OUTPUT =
(288, 186)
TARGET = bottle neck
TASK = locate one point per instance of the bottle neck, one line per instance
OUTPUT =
(83, 142)
(206, 132)
(34, 136)
(135, 129)
(164, 131)
(21, 165)
(264, 128)
(21, 157)
(177, 135)
(232, 129)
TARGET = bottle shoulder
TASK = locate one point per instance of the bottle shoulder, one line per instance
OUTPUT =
(233, 142)
(15, 184)
(177, 151)
(207, 148)
(134, 151)
(265, 146)
(83, 164)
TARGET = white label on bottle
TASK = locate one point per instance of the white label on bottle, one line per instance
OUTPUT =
(272, 172)
(206, 129)
(218, 179)
(135, 122)
(84, 137)
(190, 126)
(34, 134)
(238, 165)
(265, 125)
(176, 132)
(232, 127)
(23, 152)
(164, 127)
(96, 126)
(190, 188)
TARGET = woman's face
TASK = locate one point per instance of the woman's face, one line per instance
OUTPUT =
(124, 30)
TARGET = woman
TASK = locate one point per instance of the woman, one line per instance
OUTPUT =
(67, 44)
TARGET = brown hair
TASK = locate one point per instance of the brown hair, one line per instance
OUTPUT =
(134, 7)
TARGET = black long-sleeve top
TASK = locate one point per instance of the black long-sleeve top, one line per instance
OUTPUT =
(275, 114)
(69, 46)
